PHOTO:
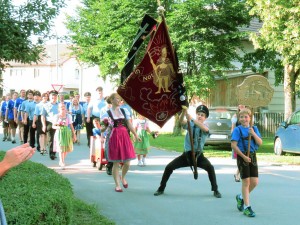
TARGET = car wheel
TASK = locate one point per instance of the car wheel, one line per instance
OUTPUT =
(278, 147)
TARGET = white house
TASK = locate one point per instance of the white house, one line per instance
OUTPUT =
(58, 69)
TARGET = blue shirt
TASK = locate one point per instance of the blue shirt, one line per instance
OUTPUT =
(50, 111)
(3, 108)
(39, 108)
(10, 107)
(96, 131)
(236, 136)
(126, 106)
(85, 107)
(18, 104)
(198, 137)
(30, 108)
(96, 107)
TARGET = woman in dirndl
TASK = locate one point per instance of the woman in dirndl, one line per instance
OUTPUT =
(64, 134)
(78, 117)
(119, 146)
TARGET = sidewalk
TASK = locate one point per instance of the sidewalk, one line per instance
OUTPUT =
(186, 201)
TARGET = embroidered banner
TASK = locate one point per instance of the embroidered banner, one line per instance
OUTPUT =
(154, 88)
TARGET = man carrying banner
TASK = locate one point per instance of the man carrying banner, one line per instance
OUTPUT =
(200, 132)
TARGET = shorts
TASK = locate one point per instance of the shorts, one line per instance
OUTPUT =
(248, 169)
(5, 125)
(12, 124)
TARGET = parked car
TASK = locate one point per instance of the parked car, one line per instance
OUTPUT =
(287, 135)
(219, 122)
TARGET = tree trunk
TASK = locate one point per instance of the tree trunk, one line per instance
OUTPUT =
(177, 131)
(289, 90)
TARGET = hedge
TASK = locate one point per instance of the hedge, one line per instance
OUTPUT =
(33, 194)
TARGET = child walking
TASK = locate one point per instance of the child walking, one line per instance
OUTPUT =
(141, 126)
(64, 134)
(247, 165)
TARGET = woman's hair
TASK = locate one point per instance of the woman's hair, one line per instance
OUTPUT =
(111, 97)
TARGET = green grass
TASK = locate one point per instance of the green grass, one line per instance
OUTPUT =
(265, 152)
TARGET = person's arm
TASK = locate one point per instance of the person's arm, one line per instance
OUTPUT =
(15, 114)
(181, 117)
(235, 147)
(131, 128)
(14, 157)
(88, 113)
(256, 138)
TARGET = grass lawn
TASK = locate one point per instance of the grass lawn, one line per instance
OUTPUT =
(265, 152)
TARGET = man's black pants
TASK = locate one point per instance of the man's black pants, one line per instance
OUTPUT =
(182, 161)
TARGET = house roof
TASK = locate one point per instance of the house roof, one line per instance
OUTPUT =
(50, 56)
(254, 26)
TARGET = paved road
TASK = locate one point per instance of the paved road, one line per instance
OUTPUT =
(186, 201)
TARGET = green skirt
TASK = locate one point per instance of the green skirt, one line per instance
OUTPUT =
(63, 141)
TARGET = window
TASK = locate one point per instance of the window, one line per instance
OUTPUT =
(76, 75)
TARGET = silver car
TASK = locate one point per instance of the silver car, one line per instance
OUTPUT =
(219, 122)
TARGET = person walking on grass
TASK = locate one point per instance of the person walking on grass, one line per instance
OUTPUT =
(247, 165)
(200, 133)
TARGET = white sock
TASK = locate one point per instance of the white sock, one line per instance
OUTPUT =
(246, 206)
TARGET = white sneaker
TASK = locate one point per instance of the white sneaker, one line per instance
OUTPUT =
(140, 163)
(144, 162)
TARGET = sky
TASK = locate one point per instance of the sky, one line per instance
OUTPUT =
(59, 28)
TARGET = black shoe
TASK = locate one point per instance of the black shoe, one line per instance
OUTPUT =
(158, 192)
(14, 142)
(109, 170)
(217, 194)
(52, 157)
(4, 139)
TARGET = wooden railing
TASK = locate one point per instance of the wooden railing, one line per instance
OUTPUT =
(268, 123)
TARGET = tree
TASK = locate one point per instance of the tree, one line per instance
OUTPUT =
(279, 40)
(18, 26)
(205, 32)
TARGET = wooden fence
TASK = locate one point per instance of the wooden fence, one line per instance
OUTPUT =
(268, 123)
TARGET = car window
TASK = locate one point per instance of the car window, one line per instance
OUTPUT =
(295, 119)
(221, 115)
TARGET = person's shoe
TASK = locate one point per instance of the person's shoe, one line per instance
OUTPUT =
(4, 139)
(217, 194)
(140, 163)
(52, 157)
(108, 170)
(14, 142)
(21, 142)
(118, 190)
(240, 203)
(144, 162)
(158, 192)
(8, 139)
(249, 212)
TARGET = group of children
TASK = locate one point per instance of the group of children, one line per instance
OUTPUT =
(141, 126)
(246, 163)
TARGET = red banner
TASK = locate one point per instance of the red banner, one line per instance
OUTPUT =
(152, 89)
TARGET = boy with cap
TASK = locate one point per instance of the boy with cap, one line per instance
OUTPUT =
(200, 132)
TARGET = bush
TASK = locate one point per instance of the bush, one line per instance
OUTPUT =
(33, 194)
